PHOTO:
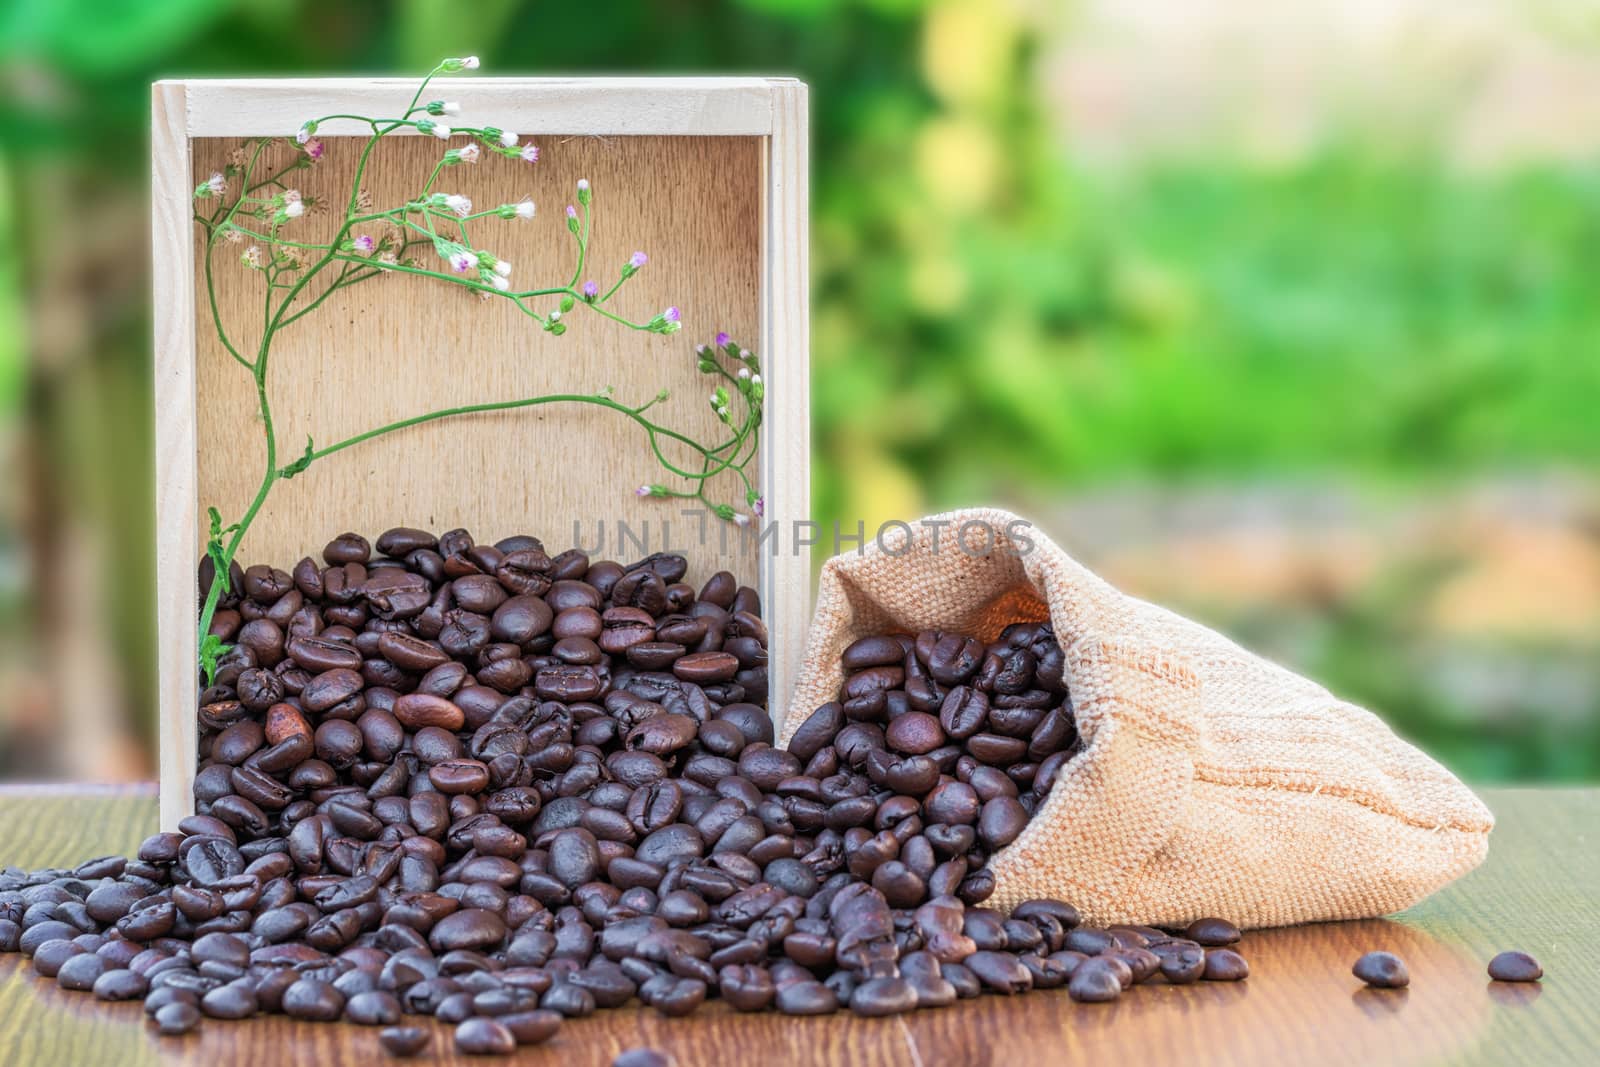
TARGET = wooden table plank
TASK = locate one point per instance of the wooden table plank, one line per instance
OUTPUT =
(1300, 1005)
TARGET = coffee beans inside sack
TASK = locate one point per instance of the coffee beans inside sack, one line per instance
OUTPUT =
(1206, 780)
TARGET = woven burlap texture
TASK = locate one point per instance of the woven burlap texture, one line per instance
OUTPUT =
(1210, 782)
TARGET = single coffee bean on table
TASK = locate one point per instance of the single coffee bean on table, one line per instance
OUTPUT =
(505, 788)
(642, 1057)
(1511, 967)
(1382, 970)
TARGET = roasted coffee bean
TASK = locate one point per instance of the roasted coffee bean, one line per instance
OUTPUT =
(1093, 982)
(485, 1037)
(642, 1057)
(313, 1000)
(806, 998)
(1212, 932)
(1383, 970)
(1226, 965)
(1509, 967)
(237, 1000)
(1183, 965)
(403, 1040)
(177, 1018)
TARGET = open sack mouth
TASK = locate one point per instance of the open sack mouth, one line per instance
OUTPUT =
(1205, 780)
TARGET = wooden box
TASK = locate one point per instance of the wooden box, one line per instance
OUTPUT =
(706, 175)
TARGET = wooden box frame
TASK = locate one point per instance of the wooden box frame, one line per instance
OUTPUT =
(770, 111)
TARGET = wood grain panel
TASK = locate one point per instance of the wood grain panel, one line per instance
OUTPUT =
(402, 345)
(1299, 1006)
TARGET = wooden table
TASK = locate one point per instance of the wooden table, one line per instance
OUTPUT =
(1539, 891)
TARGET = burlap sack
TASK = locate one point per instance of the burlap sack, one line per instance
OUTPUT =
(1210, 782)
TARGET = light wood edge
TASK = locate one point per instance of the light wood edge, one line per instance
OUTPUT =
(177, 475)
(561, 106)
(785, 361)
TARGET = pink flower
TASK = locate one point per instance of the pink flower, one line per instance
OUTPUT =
(572, 212)
(365, 244)
(671, 314)
(760, 506)
(591, 289)
(462, 261)
(529, 153)
(637, 260)
(722, 340)
(314, 148)
(643, 490)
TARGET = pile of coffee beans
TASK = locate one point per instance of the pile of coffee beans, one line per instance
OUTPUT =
(504, 788)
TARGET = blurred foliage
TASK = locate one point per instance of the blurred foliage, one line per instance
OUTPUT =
(990, 321)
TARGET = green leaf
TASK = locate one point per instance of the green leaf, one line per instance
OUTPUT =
(300, 464)
(212, 649)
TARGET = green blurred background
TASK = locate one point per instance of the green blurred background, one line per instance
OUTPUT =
(1285, 317)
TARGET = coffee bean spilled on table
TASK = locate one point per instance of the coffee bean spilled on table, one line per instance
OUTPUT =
(504, 789)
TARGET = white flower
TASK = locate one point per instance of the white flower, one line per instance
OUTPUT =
(470, 153)
(525, 208)
(755, 380)
(441, 131)
(303, 134)
(555, 316)
(741, 519)
(462, 261)
(502, 268)
(498, 282)
(530, 153)
(459, 204)
(217, 184)
(294, 209)
(469, 63)
(744, 372)
(508, 139)
(583, 185)
(449, 107)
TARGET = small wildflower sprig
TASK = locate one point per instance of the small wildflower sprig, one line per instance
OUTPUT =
(734, 455)
(251, 203)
